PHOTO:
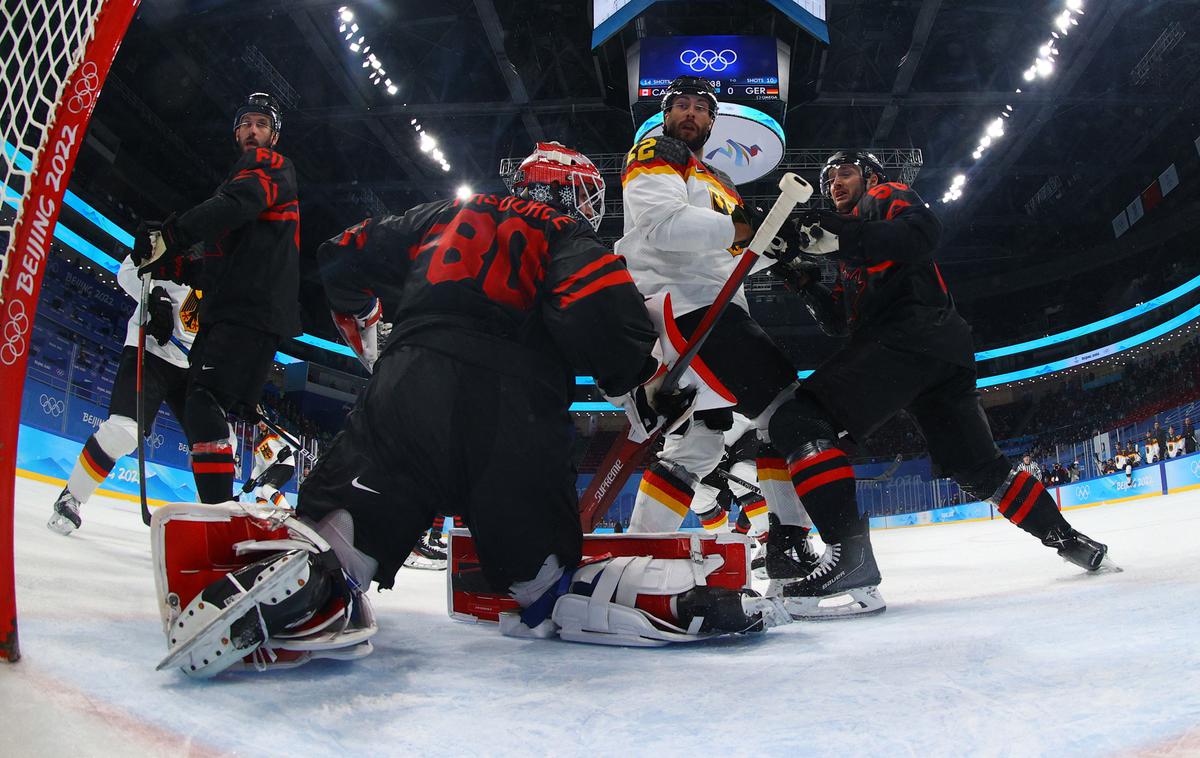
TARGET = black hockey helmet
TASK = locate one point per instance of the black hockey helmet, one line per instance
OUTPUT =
(260, 102)
(867, 163)
(690, 85)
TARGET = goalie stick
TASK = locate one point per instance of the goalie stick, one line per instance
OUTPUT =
(625, 454)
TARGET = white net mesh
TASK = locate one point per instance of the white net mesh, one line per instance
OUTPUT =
(41, 41)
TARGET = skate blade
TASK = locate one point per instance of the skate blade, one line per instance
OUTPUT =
(424, 564)
(1107, 567)
(860, 601)
(61, 525)
(215, 629)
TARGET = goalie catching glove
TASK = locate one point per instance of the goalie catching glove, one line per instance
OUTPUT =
(649, 407)
(361, 332)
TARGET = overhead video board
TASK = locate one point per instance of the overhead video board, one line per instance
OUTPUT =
(741, 68)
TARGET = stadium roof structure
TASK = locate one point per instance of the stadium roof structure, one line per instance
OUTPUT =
(484, 79)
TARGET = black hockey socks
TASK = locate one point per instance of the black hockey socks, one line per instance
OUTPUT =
(212, 466)
(742, 525)
(824, 482)
(1024, 501)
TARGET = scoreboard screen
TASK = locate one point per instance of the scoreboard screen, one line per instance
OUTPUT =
(739, 67)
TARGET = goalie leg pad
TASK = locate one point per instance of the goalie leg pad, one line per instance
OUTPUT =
(254, 581)
(651, 602)
(234, 616)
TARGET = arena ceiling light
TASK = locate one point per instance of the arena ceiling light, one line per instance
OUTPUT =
(1042, 67)
(356, 42)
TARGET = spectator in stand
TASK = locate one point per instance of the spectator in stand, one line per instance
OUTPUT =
(1073, 473)
(1030, 466)
(1060, 474)
(1189, 436)
(1160, 436)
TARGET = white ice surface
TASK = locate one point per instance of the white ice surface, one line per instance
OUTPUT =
(991, 645)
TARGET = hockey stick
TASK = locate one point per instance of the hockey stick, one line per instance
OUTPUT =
(141, 399)
(625, 454)
(738, 481)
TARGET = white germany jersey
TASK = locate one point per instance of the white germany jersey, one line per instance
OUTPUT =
(678, 231)
(186, 302)
(266, 453)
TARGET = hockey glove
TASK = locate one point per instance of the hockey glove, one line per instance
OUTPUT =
(650, 409)
(749, 215)
(161, 312)
(284, 455)
(148, 244)
(832, 233)
(360, 332)
(249, 485)
(798, 273)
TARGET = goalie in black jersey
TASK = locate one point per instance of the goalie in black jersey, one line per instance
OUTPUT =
(495, 301)
(908, 348)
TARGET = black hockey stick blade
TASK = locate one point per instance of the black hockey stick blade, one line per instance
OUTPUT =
(141, 403)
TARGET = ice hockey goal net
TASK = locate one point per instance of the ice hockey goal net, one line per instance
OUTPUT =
(55, 56)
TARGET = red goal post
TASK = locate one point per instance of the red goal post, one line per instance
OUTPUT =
(56, 56)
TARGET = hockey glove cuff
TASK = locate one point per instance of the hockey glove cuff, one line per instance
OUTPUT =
(160, 315)
(361, 333)
(798, 274)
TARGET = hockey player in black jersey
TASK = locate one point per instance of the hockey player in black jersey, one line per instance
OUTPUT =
(249, 273)
(495, 301)
(908, 348)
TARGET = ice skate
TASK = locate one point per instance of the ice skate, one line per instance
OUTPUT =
(65, 518)
(426, 555)
(844, 584)
(1081, 550)
(789, 556)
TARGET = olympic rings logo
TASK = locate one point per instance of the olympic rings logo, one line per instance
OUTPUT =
(1195, 467)
(1084, 491)
(708, 60)
(155, 441)
(13, 333)
(86, 88)
(52, 406)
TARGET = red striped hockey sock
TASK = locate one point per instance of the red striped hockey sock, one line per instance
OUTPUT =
(212, 466)
(1024, 501)
(824, 482)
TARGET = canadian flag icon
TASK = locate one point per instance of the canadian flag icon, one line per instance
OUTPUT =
(644, 92)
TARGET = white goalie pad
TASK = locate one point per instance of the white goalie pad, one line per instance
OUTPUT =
(609, 616)
(196, 545)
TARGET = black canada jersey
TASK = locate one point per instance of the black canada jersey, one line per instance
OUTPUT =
(250, 228)
(890, 289)
(501, 267)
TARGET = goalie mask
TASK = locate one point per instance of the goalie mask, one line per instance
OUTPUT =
(260, 102)
(561, 178)
(867, 164)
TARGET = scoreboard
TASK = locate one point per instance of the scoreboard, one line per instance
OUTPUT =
(741, 68)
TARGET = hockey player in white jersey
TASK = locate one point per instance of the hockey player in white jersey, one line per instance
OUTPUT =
(274, 466)
(172, 312)
(685, 225)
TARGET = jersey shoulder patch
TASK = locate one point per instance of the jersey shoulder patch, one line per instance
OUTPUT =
(660, 149)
